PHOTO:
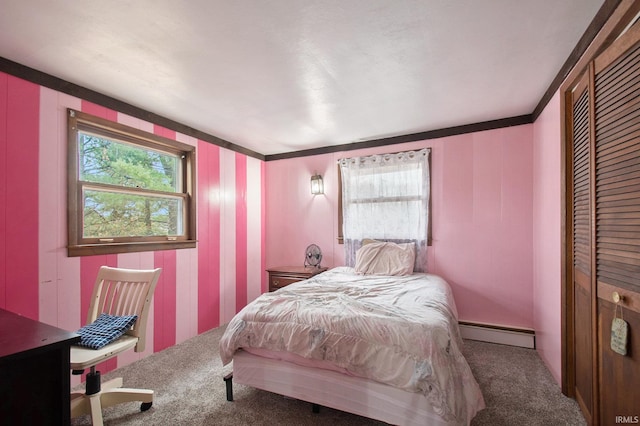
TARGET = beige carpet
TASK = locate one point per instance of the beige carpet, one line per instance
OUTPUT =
(187, 378)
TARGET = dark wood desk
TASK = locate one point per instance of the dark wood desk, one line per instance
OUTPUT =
(34, 372)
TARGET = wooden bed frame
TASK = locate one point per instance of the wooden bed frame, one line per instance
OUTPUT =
(332, 389)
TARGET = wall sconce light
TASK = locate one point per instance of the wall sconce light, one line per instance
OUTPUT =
(317, 186)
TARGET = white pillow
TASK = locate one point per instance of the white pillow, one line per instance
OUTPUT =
(385, 258)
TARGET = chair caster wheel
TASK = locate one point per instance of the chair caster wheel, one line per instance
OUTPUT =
(145, 406)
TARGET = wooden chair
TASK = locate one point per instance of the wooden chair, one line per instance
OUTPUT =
(116, 292)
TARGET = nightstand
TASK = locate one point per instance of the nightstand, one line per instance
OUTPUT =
(284, 275)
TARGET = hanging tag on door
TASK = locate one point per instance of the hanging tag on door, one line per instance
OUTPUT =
(619, 333)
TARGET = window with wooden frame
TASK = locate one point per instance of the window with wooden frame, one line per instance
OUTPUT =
(128, 190)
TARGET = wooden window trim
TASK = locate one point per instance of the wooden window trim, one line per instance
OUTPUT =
(76, 246)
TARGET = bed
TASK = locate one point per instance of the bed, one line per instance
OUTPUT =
(381, 346)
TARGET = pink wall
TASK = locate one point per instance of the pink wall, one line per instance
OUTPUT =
(482, 218)
(196, 286)
(547, 248)
(18, 198)
(496, 224)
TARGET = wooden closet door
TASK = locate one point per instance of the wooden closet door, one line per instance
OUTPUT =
(617, 138)
(581, 166)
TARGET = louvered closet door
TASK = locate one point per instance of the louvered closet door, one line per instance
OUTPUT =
(582, 236)
(617, 126)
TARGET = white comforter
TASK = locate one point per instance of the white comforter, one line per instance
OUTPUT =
(401, 331)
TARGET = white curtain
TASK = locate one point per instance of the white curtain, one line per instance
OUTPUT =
(386, 197)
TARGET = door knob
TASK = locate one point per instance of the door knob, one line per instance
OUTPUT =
(617, 297)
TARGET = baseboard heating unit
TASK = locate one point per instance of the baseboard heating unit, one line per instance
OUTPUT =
(491, 333)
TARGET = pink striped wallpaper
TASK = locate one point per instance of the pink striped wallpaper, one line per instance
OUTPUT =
(208, 224)
(19, 130)
(38, 280)
(241, 230)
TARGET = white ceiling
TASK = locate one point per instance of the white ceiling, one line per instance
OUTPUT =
(286, 75)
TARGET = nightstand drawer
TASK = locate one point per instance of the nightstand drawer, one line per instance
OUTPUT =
(285, 275)
(279, 282)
